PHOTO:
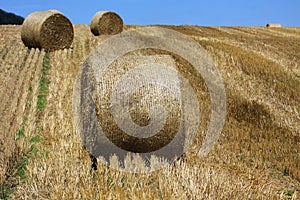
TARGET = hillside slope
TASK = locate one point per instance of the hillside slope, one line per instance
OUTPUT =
(257, 155)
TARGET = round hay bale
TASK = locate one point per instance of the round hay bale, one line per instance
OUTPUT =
(49, 30)
(143, 98)
(106, 23)
(100, 107)
(274, 25)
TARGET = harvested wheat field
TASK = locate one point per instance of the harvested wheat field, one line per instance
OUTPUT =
(257, 155)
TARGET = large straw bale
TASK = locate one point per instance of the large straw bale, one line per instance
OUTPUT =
(92, 111)
(49, 30)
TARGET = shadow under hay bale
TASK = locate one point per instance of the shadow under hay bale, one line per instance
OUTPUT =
(106, 23)
(49, 30)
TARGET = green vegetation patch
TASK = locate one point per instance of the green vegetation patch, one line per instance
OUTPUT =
(43, 84)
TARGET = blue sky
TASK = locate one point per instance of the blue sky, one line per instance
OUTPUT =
(192, 12)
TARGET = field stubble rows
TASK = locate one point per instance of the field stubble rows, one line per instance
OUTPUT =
(257, 155)
(19, 75)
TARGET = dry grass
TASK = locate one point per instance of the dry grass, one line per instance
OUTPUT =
(257, 156)
(19, 77)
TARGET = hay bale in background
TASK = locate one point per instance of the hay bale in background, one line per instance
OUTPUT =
(106, 23)
(274, 25)
(50, 30)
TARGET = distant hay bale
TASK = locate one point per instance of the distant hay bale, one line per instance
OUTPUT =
(106, 23)
(49, 30)
(274, 25)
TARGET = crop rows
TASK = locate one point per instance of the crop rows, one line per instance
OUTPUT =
(19, 75)
(257, 155)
